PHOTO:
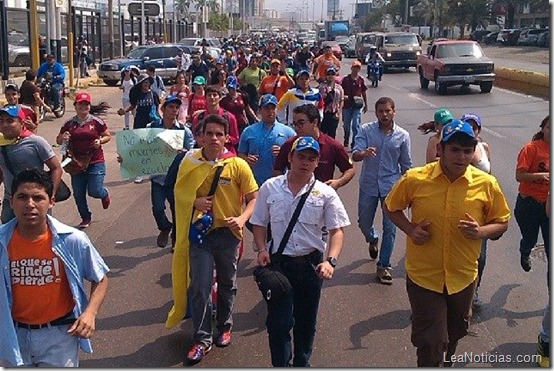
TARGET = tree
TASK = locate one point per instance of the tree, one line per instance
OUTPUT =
(469, 12)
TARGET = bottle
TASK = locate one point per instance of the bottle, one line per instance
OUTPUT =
(63, 147)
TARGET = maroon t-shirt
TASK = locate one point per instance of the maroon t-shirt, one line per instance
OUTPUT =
(331, 154)
(236, 107)
(83, 137)
(352, 88)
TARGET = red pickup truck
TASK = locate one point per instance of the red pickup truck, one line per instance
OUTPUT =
(455, 62)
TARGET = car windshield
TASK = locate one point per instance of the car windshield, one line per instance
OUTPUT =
(190, 42)
(136, 53)
(401, 40)
(459, 50)
(366, 39)
(19, 39)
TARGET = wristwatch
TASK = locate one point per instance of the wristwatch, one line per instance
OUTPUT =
(333, 261)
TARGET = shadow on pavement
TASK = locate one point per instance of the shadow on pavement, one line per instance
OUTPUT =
(395, 320)
(145, 317)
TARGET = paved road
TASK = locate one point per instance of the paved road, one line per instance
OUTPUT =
(361, 323)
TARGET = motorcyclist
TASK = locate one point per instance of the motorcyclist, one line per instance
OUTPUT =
(54, 73)
(371, 59)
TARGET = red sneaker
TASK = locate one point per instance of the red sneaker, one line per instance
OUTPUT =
(84, 223)
(106, 202)
(224, 339)
(197, 352)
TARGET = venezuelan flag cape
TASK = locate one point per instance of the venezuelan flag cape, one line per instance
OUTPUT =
(193, 171)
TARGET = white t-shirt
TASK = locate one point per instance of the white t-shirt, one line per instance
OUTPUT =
(127, 85)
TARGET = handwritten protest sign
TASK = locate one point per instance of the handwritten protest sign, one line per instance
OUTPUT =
(147, 151)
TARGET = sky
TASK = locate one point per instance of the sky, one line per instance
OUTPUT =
(320, 7)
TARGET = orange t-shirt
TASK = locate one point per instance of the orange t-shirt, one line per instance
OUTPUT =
(534, 157)
(323, 63)
(267, 86)
(40, 287)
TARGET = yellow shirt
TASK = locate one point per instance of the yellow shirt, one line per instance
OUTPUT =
(447, 259)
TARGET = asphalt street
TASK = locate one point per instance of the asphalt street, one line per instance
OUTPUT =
(361, 322)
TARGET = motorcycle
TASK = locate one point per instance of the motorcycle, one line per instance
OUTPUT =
(374, 72)
(45, 88)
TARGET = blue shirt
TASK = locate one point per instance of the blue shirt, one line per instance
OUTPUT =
(258, 139)
(81, 262)
(58, 72)
(393, 157)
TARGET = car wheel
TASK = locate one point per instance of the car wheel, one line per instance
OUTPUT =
(423, 82)
(22, 61)
(486, 86)
(111, 82)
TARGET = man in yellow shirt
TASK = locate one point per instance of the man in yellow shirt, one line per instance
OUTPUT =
(453, 207)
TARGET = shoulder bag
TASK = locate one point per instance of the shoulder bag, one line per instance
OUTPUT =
(270, 278)
(199, 227)
(62, 193)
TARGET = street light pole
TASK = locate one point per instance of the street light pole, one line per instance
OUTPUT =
(143, 31)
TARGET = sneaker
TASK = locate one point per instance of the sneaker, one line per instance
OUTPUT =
(163, 238)
(84, 223)
(374, 249)
(138, 179)
(543, 350)
(106, 202)
(384, 275)
(197, 352)
(224, 339)
(525, 263)
(477, 302)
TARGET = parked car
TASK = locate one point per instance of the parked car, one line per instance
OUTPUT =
(335, 48)
(544, 40)
(508, 36)
(478, 35)
(530, 36)
(19, 54)
(161, 56)
(350, 48)
(490, 38)
(197, 41)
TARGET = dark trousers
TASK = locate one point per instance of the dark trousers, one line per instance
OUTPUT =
(531, 216)
(439, 320)
(329, 124)
(297, 311)
(158, 198)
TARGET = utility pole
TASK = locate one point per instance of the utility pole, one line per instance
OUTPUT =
(34, 36)
(4, 43)
(110, 29)
(143, 31)
(70, 42)
(406, 11)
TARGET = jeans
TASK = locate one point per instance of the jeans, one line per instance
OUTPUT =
(91, 180)
(297, 311)
(482, 261)
(220, 247)
(367, 207)
(158, 197)
(51, 346)
(351, 118)
(546, 320)
(329, 124)
(531, 216)
(56, 87)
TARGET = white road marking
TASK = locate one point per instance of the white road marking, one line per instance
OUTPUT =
(418, 98)
(493, 133)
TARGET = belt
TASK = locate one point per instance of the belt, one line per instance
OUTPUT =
(68, 319)
(300, 259)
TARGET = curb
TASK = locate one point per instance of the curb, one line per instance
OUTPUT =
(527, 82)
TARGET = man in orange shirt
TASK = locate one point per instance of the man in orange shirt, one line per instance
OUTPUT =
(277, 82)
(323, 62)
(45, 315)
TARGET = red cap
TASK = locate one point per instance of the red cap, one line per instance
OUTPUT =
(82, 97)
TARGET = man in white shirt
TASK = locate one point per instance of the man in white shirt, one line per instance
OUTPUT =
(158, 84)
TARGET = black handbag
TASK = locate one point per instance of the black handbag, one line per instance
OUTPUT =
(270, 278)
(62, 193)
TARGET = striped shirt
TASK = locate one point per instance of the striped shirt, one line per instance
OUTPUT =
(296, 97)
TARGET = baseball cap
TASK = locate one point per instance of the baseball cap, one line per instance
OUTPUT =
(199, 80)
(304, 143)
(268, 99)
(303, 72)
(11, 86)
(82, 97)
(356, 63)
(289, 71)
(232, 82)
(13, 110)
(456, 126)
(200, 227)
(143, 77)
(331, 69)
(442, 116)
(172, 99)
(274, 60)
(472, 116)
(126, 69)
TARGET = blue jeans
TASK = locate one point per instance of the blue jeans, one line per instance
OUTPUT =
(482, 261)
(48, 347)
(352, 118)
(367, 207)
(297, 311)
(220, 247)
(158, 197)
(56, 87)
(91, 180)
(531, 216)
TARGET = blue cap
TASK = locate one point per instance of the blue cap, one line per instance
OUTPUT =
(13, 110)
(126, 69)
(472, 116)
(172, 99)
(456, 126)
(200, 227)
(303, 72)
(304, 143)
(332, 69)
(232, 82)
(268, 99)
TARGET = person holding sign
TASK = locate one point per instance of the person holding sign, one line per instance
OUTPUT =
(84, 135)
(197, 198)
